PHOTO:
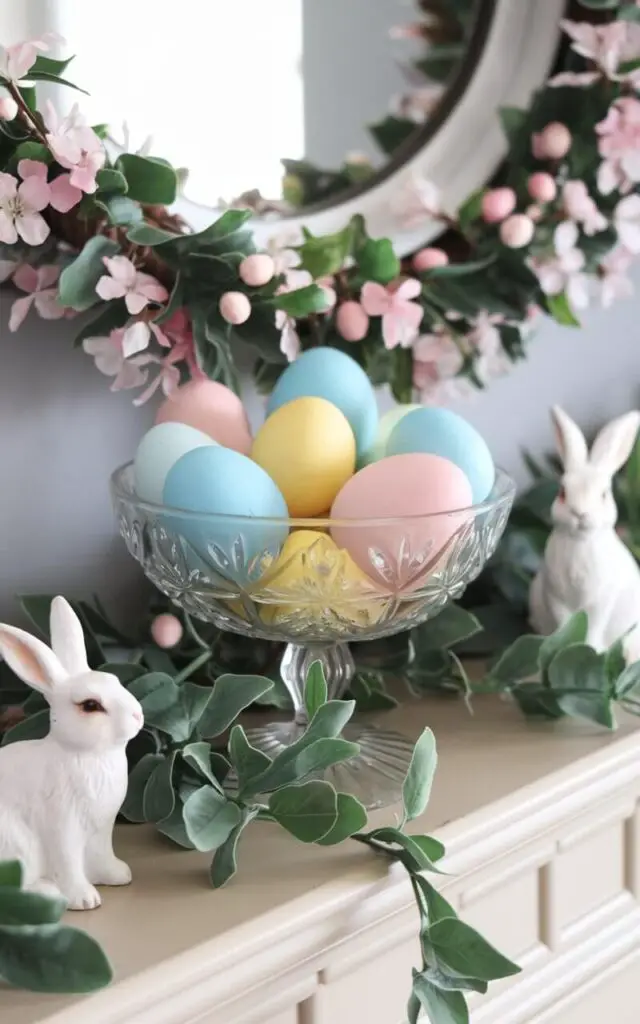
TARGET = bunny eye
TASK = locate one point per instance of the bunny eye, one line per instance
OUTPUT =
(90, 706)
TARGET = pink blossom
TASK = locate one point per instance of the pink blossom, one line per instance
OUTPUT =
(484, 338)
(39, 283)
(417, 200)
(109, 359)
(619, 146)
(62, 196)
(564, 271)
(400, 317)
(125, 282)
(289, 338)
(18, 59)
(7, 269)
(580, 207)
(20, 207)
(175, 335)
(626, 218)
(615, 283)
(437, 360)
(75, 147)
(608, 46)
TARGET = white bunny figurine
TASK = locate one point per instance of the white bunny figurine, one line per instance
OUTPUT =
(59, 796)
(586, 565)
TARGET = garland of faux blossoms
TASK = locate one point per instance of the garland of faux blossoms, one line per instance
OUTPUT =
(82, 233)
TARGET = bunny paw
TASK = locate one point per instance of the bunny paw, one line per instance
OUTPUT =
(113, 872)
(85, 898)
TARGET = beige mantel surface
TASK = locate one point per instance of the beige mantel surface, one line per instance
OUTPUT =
(183, 952)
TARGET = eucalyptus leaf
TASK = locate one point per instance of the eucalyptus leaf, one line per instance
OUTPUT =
(437, 907)
(628, 684)
(300, 759)
(108, 179)
(149, 234)
(453, 982)
(209, 818)
(149, 179)
(315, 689)
(578, 667)
(440, 1007)
(158, 798)
(519, 661)
(248, 761)
(133, 806)
(461, 949)
(224, 864)
(198, 756)
(19, 907)
(52, 958)
(573, 631)
(78, 280)
(122, 210)
(171, 707)
(174, 829)
(351, 817)
(231, 695)
(413, 856)
(416, 788)
(595, 707)
(450, 626)
(309, 811)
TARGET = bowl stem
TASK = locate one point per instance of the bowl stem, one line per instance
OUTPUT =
(337, 665)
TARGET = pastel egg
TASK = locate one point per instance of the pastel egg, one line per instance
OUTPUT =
(307, 447)
(158, 451)
(211, 407)
(330, 374)
(313, 579)
(406, 490)
(225, 484)
(441, 432)
(385, 426)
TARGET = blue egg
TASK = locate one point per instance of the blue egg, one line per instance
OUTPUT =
(220, 481)
(328, 373)
(159, 450)
(442, 432)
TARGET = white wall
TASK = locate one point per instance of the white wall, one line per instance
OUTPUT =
(62, 432)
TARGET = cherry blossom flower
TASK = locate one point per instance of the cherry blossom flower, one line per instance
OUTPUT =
(177, 336)
(125, 282)
(416, 201)
(615, 283)
(39, 283)
(62, 195)
(76, 147)
(20, 207)
(619, 145)
(580, 207)
(7, 269)
(484, 339)
(17, 60)
(563, 272)
(437, 360)
(289, 338)
(608, 46)
(400, 317)
(109, 358)
(626, 218)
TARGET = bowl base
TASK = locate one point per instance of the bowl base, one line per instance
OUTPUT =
(374, 776)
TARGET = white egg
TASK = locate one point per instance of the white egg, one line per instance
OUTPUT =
(158, 452)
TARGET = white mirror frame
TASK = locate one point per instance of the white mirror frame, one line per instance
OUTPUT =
(459, 158)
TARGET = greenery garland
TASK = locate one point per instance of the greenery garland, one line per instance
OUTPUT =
(86, 232)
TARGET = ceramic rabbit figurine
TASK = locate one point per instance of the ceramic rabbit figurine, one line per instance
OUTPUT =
(59, 796)
(586, 565)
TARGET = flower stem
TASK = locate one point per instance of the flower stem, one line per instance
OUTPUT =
(26, 115)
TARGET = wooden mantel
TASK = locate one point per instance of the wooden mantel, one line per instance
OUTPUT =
(541, 827)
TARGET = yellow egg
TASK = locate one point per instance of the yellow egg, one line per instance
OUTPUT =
(307, 447)
(313, 579)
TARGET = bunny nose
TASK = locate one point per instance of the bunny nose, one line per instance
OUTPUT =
(138, 717)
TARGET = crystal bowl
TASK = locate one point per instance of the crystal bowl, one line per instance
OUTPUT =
(352, 580)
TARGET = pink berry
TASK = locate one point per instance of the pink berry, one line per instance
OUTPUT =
(542, 187)
(166, 630)
(352, 321)
(534, 213)
(429, 258)
(553, 142)
(257, 269)
(234, 307)
(497, 204)
(8, 108)
(517, 231)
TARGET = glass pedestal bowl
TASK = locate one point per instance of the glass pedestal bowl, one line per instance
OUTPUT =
(318, 592)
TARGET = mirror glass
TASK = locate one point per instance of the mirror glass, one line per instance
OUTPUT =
(230, 88)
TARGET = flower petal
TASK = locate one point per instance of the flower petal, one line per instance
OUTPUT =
(48, 305)
(375, 299)
(7, 268)
(32, 169)
(121, 269)
(136, 338)
(32, 228)
(391, 330)
(135, 302)
(151, 288)
(8, 186)
(8, 233)
(19, 310)
(62, 195)
(108, 288)
(35, 193)
(409, 289)
(26, 278)
(47, 276)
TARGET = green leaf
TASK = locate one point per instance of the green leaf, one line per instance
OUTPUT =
(171, 707)
(628, 683)
(519, 661)
(578, 667)
(377, 261)
(315, 690)
(46, 76)
(629, 13)
(461, 949)
(413, 855)
(198, 756)
(231, 695)
(158, 798)
(319, 755)
(513, 122)
(614, 663)
(11, 873)
(209, 818)
(559, 308)
(122, 210)
(133, 806)
(52, 958)
(148, 234)
(309, 811)
(414, 1007)
(461, 269)
(113, 314)
(327, 254)
(352, 816)
(329, 720)
(600, 5)
(453, 982)
(574, 631)
(416, 788)
(450, 626)
(20, 907)
(248, 761)
(49, 66)
(437, 907)
(30, 150)
(149, 180)
(37, 607)
(224, 864)
(110, 180)
(77, 285)
(301, 302)
(470, 210)
(173, 828)
(440, 1007)
(431, 848)
(595, 707)
(35, 727)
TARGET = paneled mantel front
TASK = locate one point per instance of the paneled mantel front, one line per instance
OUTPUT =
(541, 827)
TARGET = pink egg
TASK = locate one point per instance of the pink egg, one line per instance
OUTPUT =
(166, 630)
(212, 408)
(396, 488)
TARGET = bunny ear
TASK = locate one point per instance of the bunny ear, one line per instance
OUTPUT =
(67, 637)
(30, 659)
(612, 447)
(570, 441)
